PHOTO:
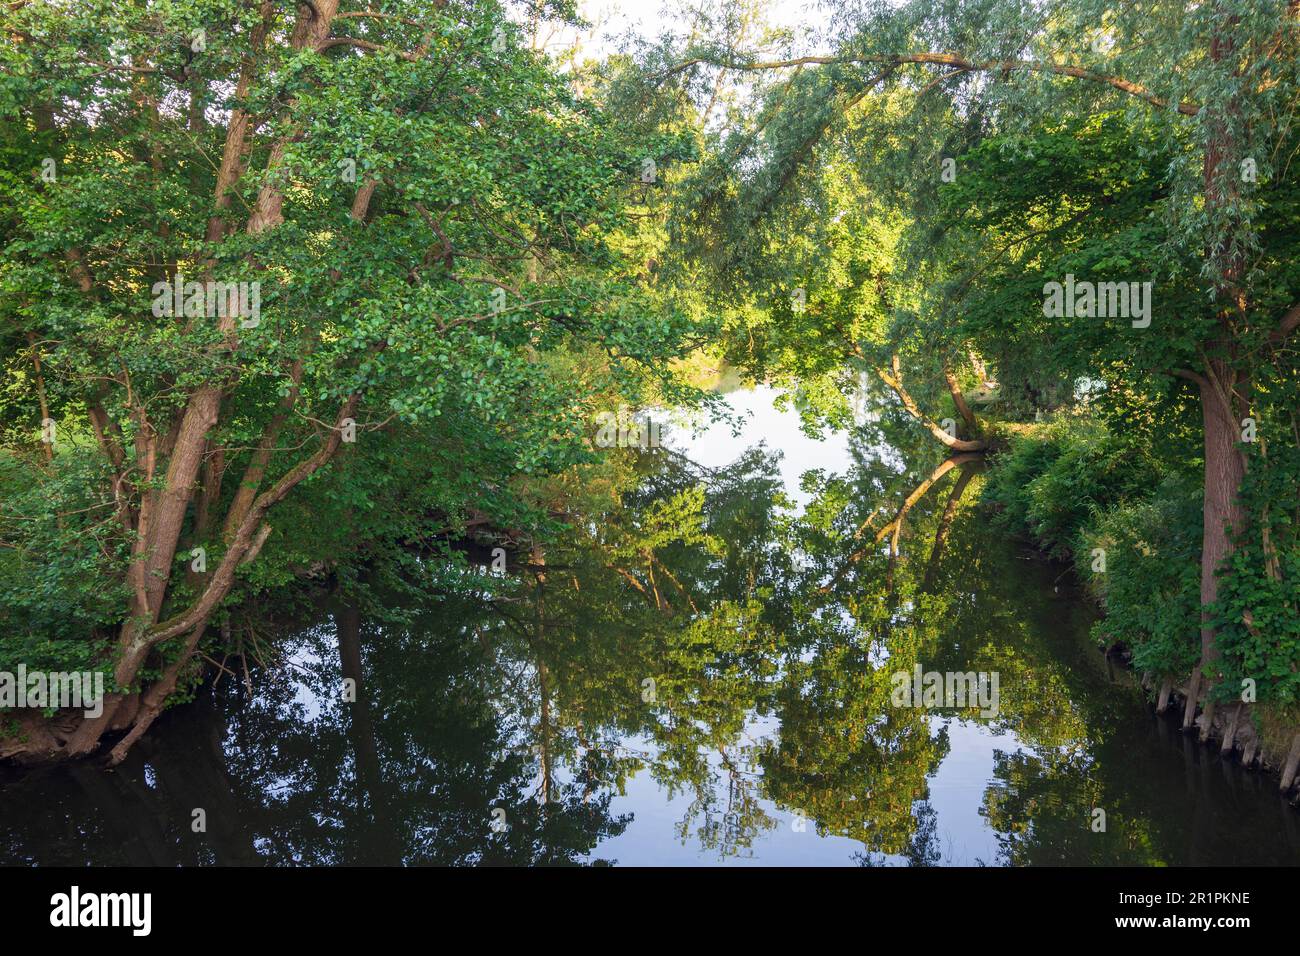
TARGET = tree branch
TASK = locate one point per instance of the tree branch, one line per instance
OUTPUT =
(365, 45)
(895, 382)
(1290, 320)
(953, 60)
(244, 536)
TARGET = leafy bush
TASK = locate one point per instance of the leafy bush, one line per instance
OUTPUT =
(1151, 586)
(1028, 456)
(1077, 488)
(58, 563)
(1054, 478)
(1257, 617)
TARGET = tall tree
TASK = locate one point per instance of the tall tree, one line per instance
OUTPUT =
(245, 237)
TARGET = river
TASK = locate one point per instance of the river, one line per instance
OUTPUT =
(701, 670)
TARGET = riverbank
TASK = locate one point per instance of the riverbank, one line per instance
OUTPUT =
(1130, 526)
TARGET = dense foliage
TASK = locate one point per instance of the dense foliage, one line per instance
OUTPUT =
(901, 209)
(434, 237)
(455, 250)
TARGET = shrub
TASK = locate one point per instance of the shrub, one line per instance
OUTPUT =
(1150, 588)
(1075, 486)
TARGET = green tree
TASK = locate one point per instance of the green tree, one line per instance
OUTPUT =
(430, 228)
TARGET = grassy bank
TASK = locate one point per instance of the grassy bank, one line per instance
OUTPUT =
(1131, 525)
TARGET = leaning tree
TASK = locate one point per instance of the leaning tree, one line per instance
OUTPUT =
(416, 213)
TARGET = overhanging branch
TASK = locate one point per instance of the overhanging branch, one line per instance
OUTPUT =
(959, 63)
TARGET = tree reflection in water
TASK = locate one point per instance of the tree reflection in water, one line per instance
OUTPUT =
(688, 626)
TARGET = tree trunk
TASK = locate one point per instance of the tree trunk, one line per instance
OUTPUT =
(1162, 702)
(959, 400)
(381, 846)
(895, 382)
(1223, 513)
(256, 471)
(1230, 732)
(212, 473)
(1292, 764)
(1225, 467)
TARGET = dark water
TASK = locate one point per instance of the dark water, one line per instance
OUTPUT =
(696, 674)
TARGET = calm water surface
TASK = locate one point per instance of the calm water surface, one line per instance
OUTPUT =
(699, 675)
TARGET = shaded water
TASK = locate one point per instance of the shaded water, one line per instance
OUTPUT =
(699, 672)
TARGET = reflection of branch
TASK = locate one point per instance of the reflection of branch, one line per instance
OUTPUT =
(673, 578)
(660, 603)
(631, 579)
(651, 560)
(895, 527)
(945, 523)
(688, 465)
